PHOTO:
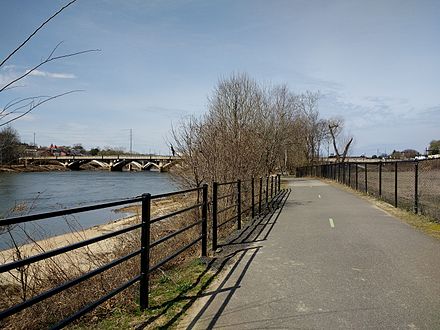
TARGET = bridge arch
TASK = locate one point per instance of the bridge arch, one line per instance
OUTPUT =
(113, 163)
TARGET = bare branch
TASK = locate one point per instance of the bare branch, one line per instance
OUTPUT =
(47, 61)
(347, 146)
(35, 32)
(332, 133)
(12, 87)
(16, 101)
(53, 50)
(33, 106)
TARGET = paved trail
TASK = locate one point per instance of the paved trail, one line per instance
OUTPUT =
(330, 261)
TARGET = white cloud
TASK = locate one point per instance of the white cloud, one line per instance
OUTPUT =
(7, 74)
(10, 72)
(55, 75)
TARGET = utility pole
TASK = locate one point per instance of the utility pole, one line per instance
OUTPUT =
(35, 145)
(131, 147)
(131, 141)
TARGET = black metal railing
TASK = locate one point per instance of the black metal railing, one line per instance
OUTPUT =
(410, 184)
(233, 203)
(144, 251)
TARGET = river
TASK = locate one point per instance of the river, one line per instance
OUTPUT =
(47, 191)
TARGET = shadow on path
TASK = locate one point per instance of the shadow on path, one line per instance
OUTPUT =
(234, 260)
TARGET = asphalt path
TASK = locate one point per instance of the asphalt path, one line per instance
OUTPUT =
(328, 260)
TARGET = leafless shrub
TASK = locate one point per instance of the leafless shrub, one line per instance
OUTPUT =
(249, 130)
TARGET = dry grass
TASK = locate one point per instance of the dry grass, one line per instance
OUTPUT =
(428, 185)
(47, 274)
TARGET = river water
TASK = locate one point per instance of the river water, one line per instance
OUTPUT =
(49, 191)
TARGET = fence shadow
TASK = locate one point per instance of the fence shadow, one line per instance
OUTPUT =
(239, 253)
(233, 261)
(261, 226)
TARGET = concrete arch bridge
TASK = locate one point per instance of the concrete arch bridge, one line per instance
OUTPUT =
(112, 163)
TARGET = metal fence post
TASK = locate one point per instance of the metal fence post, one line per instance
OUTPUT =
(340, 173)
(343, 173)
(349, 175)
(260, 195)
(356, 175)
(214, 215)
(238, 204)
(271, 187)
(267, 190)
(274, 184)
(279, 182)
(205, 221)
(253, 197)
(366, 178)
(395, 184)
(416, 187)
(380, 179)
(145, 251)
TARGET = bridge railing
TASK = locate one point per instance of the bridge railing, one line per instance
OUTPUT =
(234, 202)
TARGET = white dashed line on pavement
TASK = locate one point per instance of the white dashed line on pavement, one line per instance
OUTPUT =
(332, 224)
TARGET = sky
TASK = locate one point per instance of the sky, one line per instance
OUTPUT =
(375, 63)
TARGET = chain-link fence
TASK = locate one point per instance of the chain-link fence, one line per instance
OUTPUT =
(429, 188)
(411, 185)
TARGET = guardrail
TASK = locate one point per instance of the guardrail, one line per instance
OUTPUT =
(236, 194)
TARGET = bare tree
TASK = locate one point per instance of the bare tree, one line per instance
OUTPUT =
(335, 128)
(314, 127)
(187, 145)
(10, 146)
(20, 107)
(249, 130)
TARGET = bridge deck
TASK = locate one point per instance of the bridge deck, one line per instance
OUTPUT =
(331, 260)
(112, 162)
(112, 157)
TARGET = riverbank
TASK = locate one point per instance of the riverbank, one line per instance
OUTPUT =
(82, 257)
(79, 257)
(32, 168)
(45, 168)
